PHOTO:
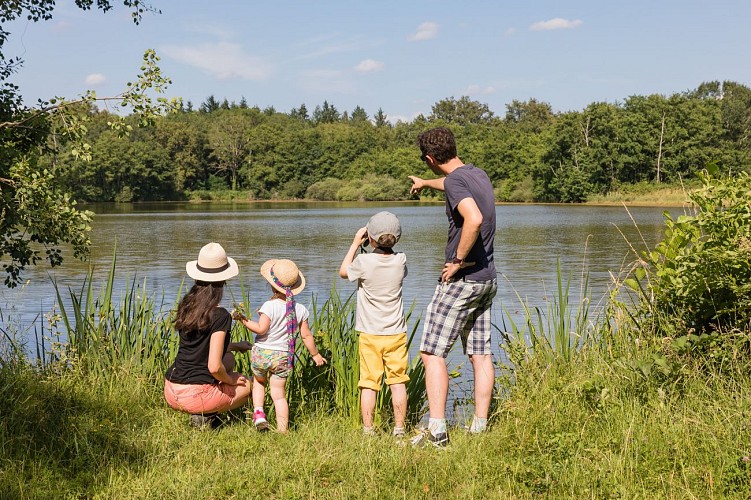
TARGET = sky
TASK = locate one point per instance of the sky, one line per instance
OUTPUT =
(398, 56)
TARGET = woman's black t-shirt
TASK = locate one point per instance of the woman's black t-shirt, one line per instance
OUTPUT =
(191, 364)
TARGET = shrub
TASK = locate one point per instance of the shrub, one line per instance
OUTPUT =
(515, 191)
(383, 188)
(698, 279)
(290, 190)
(324, 190)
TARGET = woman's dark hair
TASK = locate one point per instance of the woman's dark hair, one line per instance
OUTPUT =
(438, 143)
(194, 310)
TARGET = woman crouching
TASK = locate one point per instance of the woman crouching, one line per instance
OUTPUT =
(201, 381)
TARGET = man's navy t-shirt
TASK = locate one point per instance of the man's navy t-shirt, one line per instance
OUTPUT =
(469, 181)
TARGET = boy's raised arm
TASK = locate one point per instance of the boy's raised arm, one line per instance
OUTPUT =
(360, 236)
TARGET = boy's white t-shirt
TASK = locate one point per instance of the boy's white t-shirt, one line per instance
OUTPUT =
(276, 338)
(380, 310)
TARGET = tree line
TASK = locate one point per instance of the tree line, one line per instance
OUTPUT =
(530, 153)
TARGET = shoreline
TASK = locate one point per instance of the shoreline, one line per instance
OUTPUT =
(603, 203)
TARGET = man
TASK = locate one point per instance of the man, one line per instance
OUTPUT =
(460, 307)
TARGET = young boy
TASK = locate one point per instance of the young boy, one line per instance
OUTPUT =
(380, 316)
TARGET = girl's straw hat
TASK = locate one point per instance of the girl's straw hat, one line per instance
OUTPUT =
(212, 265)
(286, 273)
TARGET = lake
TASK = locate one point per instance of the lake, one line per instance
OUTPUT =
(154, 241)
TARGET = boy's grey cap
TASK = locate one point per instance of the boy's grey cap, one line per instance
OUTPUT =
(384, 223)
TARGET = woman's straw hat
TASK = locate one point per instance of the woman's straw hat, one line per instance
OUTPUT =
(286, 273)
(212, 265)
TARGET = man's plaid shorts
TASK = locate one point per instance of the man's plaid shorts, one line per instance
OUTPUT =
(459, 309)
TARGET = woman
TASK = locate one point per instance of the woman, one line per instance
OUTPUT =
(201, 381)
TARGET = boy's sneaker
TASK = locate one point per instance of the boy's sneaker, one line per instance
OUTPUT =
(259, 420)
(400, 437)
(204, 420)
(425, 438)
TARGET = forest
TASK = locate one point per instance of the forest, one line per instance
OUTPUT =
(231, 150)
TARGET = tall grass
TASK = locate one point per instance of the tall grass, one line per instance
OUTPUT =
(104, 335)
(558, 330)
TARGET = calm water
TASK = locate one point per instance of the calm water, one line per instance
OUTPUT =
(153, 242)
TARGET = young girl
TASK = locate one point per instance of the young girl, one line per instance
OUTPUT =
(273, 353)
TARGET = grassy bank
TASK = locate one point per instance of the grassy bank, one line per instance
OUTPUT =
(644, 194)
(586, 411)
(582, 428)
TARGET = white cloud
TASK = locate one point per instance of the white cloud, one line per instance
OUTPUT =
(394, 119)
(95, 79)
(425, 31)
(369, 66)
(556, 24)
(478, 90)
(223, 60)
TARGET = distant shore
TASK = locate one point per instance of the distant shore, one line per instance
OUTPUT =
(673, 196)
(636, 196)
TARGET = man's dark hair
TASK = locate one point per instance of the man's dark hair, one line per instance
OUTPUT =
(438, 143)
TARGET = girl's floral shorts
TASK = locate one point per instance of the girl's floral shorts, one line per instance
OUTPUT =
(266, 362)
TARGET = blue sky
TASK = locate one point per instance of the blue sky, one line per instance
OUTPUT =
(401, 56)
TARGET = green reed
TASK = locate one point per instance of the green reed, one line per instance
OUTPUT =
(104, 334)
(559, 330)
(239, 332)
(333, 386)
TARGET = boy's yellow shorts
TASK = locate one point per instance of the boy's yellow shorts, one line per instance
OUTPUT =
(379, 353)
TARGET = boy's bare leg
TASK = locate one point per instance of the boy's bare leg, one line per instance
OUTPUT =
(399, 399)
(367, 406)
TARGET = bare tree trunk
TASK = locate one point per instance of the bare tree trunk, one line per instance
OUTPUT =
(659, 151)
(585, 132)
